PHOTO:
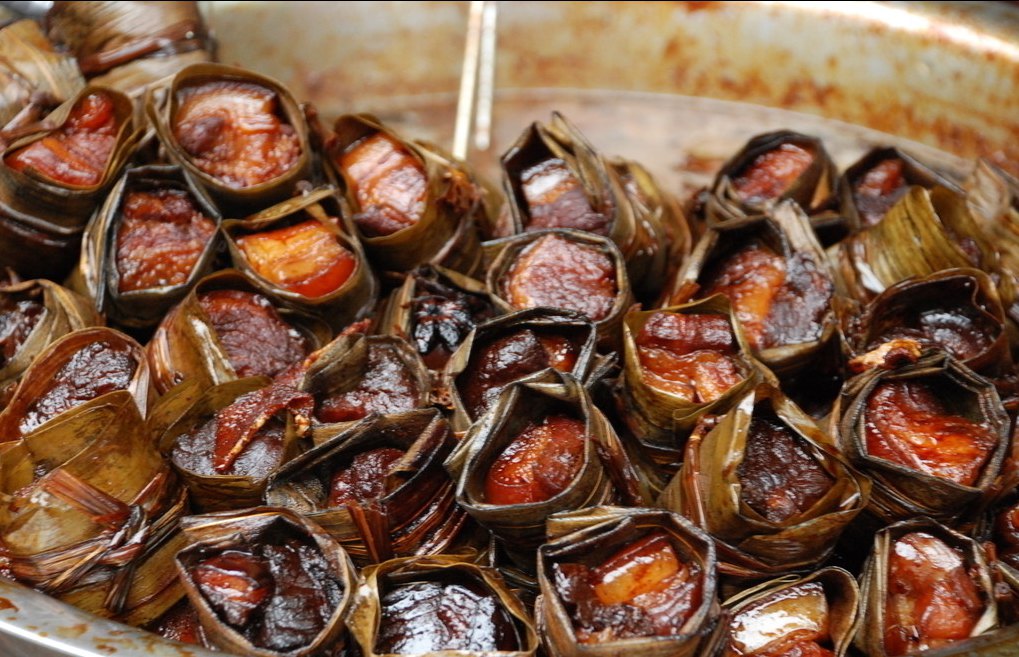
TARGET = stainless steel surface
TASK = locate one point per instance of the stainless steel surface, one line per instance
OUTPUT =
(658, 82)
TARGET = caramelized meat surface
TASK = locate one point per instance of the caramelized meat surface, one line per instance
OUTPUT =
(779, 301)
(792, 622)
(539, 464)
(18, 317)
(180, 623)
(932, 599)
(771, 174)
(1006, 535)
(691, 356)
(257, 341)
(644, 589)
(779, 477)
(505, 359)
(388, 182)
(446, 614)
(556, 199)
(77, 154)
(161, 236)
(305, 258)
(280, 596)
(960, 329)
(235, 132)
(387, 386)
(364, 478)
(559, 273)
(879, 189)
(909, 424)
(95, 369)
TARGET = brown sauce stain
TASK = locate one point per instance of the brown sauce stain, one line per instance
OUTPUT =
(7, 604)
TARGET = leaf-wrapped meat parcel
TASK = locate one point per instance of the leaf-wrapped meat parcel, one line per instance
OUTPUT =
(299, 254)
(561, 269)
(412, 203)
(514, 346)
(931, 434)
(379, 488)
(224, 329)
(204, 119)
(616, 580)
(543, 447)
(439, 606)
(924, 587)
(266, 582)
(555, 179)
(769, 486)
(128, 45)
(90, 510)
(816, 615)
(152, 239)
(32, 68)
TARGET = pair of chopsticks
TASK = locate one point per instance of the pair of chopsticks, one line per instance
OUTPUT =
(477, 81)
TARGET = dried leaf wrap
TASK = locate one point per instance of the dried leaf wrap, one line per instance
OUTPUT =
(445, 234)
(218, 532)
(707, 489)
(97, 276)
(417, 514)
(90, 512)
(377, 580)
(352, 300)
(902, 492)
(589, 535)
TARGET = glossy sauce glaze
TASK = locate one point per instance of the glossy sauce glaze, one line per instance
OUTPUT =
(791, 622)
(878, 189)
(556, 199)
(235, 132)
(779, 477)
(96, 369)
(771, 174)
(778, 300)
(180, 623)
(909, 424)
(559, 273)
(539, 463)
(388, 182)
(161, 236)
(18, 318)
(692, 356)
(1006, 535)
(280, 596)
(256, 340)
(445, 613)
(932, 599)
(499, 362)
(306, 258)
(387, 386)
(645, 588)
(77, 154)
(364, 478)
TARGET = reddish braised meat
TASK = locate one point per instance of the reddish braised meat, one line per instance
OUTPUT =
(388, 182)
(95, 369)
(161, 236)
(235, 132)
(691, 356)
(779, 477)
(387, 386)
(364, 478)
(907, 423)
(257, 341)
(879, 189)
(771, 174)
(556, 199)
(644, 589)
(76, 155)
(559, 273)
(792, 622)
(539, 464)
(18, 317)
(932, 600)
(305, 258)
